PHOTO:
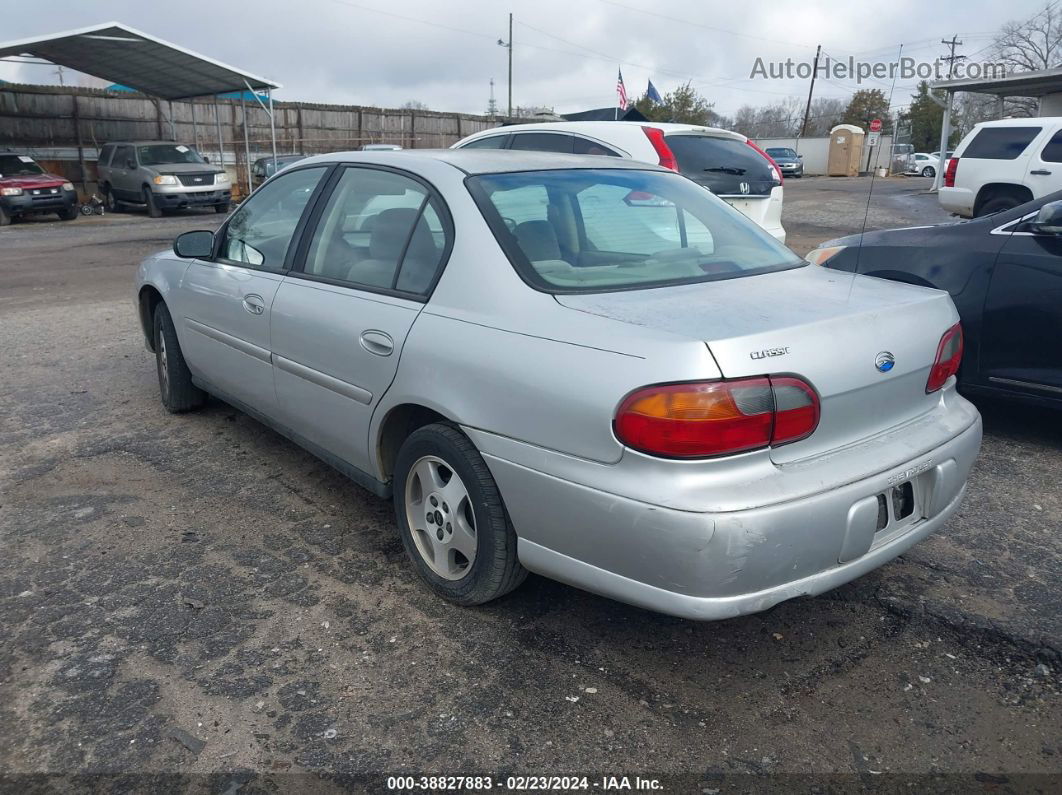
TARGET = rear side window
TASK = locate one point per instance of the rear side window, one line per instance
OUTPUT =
(584, 146)
(490, 142)
(1000, 143)
(542, 142)
(722, 164)
(379, 230)
(1053, 151)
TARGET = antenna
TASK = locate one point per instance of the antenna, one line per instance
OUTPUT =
(492, 105)
(874, 171)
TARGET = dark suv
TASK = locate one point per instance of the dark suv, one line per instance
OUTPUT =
(27, 189)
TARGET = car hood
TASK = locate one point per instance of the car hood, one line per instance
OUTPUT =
(33, 181)
(828, 327)
(787, 160)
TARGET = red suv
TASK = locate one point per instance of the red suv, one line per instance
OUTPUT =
(26, 188)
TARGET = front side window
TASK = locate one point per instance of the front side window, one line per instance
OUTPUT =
(259, 233)
(598, 230)
(105, 155)
(165, 154)
(379, 230)
(1000, 143)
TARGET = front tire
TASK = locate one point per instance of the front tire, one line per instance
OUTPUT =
(149, 202)
(5, 219)
(176, 389)
(929, 171)
(453, 522)
(69, 214)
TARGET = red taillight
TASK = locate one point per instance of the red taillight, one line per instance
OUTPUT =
(711, 418)
(663, 152)
(774, 166)
(949, 357)
(949, 172)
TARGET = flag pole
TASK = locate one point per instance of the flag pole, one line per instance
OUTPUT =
(615, 113)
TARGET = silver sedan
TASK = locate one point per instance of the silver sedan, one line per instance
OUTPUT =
(584, 367)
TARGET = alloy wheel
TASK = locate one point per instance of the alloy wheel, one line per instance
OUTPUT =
(440, 517)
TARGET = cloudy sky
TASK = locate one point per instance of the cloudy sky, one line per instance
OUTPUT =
(388, 52)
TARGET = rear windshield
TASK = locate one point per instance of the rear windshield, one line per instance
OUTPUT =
(18, 166)
(1000, 143)
(163, 154)
(723, 165)
(598, 230)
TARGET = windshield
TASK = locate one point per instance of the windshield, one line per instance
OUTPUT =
(18, 166)
(598, 230)
(162, 154)
(781, 152)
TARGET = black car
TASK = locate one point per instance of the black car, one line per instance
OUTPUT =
(1004, 272)
(788, 160)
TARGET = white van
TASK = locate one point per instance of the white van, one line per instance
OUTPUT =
(1001, 164)
(726, 163)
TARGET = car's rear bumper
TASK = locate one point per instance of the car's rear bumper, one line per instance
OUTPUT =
(957, 200)
(714, 565)
(29, 203)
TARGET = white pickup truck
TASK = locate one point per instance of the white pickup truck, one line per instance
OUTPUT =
(1001, 164)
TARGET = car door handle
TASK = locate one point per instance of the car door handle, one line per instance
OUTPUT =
(376, 342)
(254, 304)
(1041, 172)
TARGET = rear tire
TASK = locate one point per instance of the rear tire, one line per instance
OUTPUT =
(110, 200)
(929, 171)
(149, 202)
(176, 389)
(439, 473)
(998, 204)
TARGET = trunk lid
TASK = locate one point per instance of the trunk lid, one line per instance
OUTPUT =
(828, 327)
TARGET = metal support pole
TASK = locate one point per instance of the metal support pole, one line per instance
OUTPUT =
(246, 145)
(272, 127)
(195, 128)
(173, 129)
(945, 133)
(80, 146)
(217, 122)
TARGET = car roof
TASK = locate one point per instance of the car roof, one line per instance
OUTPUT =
(485, 161)
(145, 143)
(1026, 121)
(600, 129)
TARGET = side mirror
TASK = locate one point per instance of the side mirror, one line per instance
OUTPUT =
(194, 245)
(800, 157)
(1049, 220)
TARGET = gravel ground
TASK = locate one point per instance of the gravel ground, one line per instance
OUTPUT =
(194, 603)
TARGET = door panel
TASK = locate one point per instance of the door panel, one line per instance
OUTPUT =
(1021, 344)
(332, 361)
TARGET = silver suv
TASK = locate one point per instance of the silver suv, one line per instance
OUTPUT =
(161, 175)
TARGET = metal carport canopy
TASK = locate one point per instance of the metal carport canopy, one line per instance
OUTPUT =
(123, 55)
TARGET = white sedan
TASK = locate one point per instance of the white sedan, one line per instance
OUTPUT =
(923, 165)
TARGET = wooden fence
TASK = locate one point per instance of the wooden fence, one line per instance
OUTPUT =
(64, 127)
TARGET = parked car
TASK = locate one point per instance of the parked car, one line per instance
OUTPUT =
(791, 163)
(1004, 273)
(585, 367)
(922, 165)
(27, 189)
(265, 167)
(726, 163)
(160, 175)
(1001, 164)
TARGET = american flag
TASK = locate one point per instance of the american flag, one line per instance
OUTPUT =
(621, 92)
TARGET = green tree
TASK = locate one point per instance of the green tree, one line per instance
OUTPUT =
(866, 105)
(683, 105)
(926, 118)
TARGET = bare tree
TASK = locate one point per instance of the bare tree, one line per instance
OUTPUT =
(1027, 46)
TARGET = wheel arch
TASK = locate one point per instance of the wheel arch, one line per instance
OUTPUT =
(397, 424)
(992, 190)
(148, 298)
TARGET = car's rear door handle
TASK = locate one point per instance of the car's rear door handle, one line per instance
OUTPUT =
(254, 304)
(377, 342)
(1041, 172)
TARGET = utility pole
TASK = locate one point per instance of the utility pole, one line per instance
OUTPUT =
(952, 57)
(811, 89)
(509, 46)
(492, 106)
